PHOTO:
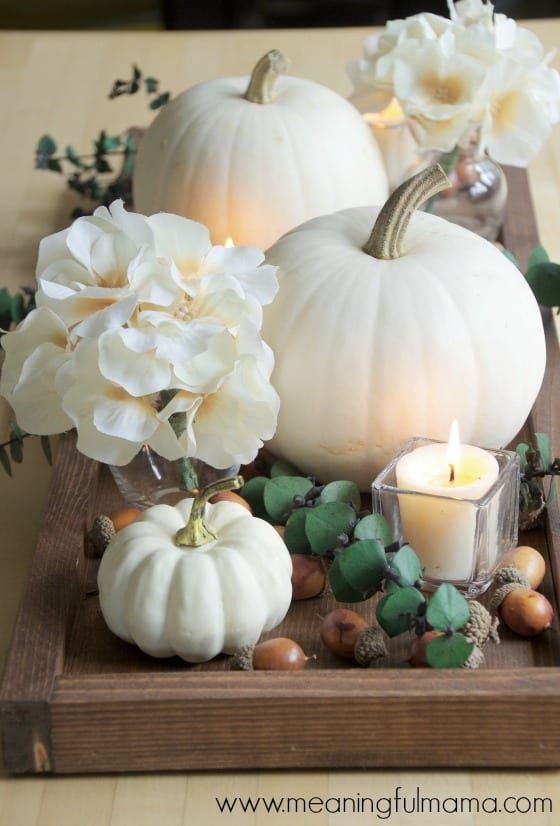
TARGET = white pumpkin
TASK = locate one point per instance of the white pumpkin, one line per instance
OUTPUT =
(380, 339)
(198, 590)
(252, 158)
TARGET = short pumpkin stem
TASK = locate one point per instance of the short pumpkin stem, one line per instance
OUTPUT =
(387, 235)
(263, 77)
(196, 532)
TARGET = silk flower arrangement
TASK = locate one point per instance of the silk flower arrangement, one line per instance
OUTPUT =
(475, 71)
(145, 334)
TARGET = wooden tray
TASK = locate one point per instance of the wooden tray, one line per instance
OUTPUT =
(76, 699)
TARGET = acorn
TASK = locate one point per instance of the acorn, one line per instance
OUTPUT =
(281, 529)
(418, 649)
(101, 533)
(230, 496)
(526, 612)
(278, 654)
(124, 516)
(347, 634)
(529, 561)
(308, 576)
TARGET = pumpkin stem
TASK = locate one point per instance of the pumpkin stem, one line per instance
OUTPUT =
(392, 222)
(196, 532)
(263, 77)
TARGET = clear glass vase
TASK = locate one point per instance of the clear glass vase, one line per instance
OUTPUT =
(151, 480)
(478, 195)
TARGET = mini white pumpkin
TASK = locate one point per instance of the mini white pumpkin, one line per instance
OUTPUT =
(253, 158)
(196, 590)
(379, 340)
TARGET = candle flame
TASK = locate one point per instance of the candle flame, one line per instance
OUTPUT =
(229, 242)
(453, 450)
(392, 115)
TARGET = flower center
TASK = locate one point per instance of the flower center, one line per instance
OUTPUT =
(448, 89)
(503, 109)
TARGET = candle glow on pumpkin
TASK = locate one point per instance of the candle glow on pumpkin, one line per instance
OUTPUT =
(229, 242)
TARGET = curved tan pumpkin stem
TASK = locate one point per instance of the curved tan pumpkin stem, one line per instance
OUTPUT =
(263, 77)
(196, 532)
(392, 222)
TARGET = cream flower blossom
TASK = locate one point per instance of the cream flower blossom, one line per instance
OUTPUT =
(477, 71)
(34, 354)
(230, 424)
(133, 311)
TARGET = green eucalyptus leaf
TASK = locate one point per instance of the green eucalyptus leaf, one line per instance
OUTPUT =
(543, 446)
(46, 446)
(394, 611)
(5, 302)
(54, 165)
(151, 84)
(521, 450)
(343, 491)
(448, 651)
(374, 526)
(160, 101)
(46, 145)
(281, 468)
(447, 608)
(342, 590)
(544, 280)
(16, 451)
(362, 565)
(72, 156)
(5, 460)
(279, 495)
(325, 523)
(407, 565)
(538, 255)
(17, 308)
(253, 493)
(294, 535)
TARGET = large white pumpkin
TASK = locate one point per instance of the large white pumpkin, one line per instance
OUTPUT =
(196, 591)
(253, 158)
(373, 347)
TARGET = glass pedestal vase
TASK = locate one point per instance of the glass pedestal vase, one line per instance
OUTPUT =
(478, 195)
(151, 480)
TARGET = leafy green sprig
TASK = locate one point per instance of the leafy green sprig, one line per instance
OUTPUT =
(86, 174)
(328, 521)
(537, 465)
(12, 449)
(543, 276)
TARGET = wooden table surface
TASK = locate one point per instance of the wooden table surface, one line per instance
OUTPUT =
(57, 84)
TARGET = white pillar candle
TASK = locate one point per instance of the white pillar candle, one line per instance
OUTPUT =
(441, 526)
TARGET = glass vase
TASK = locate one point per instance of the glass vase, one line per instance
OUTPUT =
(478, 195)
(151, 480)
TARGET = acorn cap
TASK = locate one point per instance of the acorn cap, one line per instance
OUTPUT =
(501, 593)
(476, 658)
(242, 659)
(510, 574)
(370, 646)
(102, 531)
(481, 626)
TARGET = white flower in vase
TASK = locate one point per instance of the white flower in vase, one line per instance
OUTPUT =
(133, 311)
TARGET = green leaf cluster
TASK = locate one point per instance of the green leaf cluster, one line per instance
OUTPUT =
(543, 276)
(12, 450)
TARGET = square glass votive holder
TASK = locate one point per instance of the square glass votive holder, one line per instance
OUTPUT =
(457, 540)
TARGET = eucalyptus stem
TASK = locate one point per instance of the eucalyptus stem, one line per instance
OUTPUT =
(187, 474)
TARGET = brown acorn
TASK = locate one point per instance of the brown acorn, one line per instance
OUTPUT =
(308, 576)
(278, 654)
(526, 612)
(230, 496)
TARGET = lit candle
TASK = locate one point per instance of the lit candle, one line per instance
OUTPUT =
(229, 242)
(441, 526)
(395, 141)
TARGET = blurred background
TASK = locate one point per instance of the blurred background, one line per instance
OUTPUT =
(228, 14)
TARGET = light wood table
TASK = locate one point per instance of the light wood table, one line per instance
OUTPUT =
(57, 84)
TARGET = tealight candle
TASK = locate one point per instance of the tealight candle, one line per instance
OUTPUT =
(441, 526)
(395, 141)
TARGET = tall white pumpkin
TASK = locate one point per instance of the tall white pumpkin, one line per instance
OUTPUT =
(253, 157)
(379, 337)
